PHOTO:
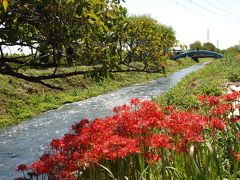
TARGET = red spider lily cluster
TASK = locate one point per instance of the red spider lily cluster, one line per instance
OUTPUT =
(142, 128)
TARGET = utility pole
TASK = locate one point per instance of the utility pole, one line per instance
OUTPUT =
(218, 44)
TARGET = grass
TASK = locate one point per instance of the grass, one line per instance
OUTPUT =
(21, 100)
(214, 79)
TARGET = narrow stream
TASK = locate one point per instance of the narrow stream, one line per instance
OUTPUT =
(27, 141)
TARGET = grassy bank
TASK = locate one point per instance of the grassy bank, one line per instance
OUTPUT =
(212, 80)
(21, 100)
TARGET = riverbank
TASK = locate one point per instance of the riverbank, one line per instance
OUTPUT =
(214, 79)
(21, 100)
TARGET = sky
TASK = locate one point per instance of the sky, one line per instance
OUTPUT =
(216, 21)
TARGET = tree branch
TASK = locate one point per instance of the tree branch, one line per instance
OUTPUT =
(6, 69)
(18, 44)
(133, 67)
(27, 63)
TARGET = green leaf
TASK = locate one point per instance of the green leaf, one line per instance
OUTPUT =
(109, 172)
(5, 4)
(90, 21)
(70, 1)
(93, 15)
(111, 16)
(16, 18)
(105, 28)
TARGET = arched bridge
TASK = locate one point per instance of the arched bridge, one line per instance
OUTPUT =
(195, 54)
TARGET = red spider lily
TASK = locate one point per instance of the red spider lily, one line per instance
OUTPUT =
(235, 119)
(58, 144)
(214, 100)
(203, 99)
(22, 167)
(189, 126)
(134, 101)
(152, 157)
(48, 161)
(119, 147)
(59, 157)
(143, 130)
(182, 147)
(231, 97)
(217, 123)
(209, 100)
(149, 106)
(222, 109)
(39, 167)
(76, 155)
(160, 141)
(79, 126)
(169, 109)
(70, 166)
(120, 109)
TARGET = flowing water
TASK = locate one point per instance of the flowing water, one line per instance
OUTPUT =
(25, 142)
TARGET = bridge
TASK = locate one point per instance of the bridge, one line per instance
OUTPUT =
(195, 54)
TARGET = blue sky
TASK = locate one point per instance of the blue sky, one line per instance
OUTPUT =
(192, 19)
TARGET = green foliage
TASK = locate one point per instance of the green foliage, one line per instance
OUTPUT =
(182, 99)
(61, 33)
(93, 33)
(209, 46)
(233, 50)
(210, 90)
(234, 77)
(196, 45)
(205, 46)
(145, 40)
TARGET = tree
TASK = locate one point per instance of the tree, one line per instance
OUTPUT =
(196, 45)
(209, 46)
(145, 40)
(205, 46)
(94, 33)
(53, 30)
